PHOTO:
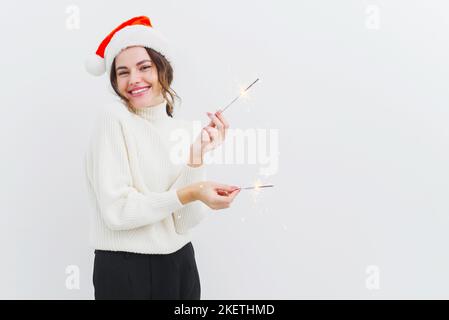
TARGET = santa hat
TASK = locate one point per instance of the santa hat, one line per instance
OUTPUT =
(137, 31)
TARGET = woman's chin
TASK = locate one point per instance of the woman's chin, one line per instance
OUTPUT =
(142, 102)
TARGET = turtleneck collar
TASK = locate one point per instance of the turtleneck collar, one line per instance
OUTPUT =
(155, 112)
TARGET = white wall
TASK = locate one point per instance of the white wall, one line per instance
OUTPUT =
(357, 89)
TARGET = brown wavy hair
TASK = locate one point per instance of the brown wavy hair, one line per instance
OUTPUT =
(165, 76)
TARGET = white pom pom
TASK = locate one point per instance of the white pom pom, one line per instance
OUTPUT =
(95, 65)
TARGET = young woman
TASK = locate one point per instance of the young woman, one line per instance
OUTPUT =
(145, 203)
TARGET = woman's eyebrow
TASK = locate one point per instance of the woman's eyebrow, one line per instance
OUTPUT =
(137, 64)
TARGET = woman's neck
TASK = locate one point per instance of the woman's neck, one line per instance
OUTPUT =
(153, 112)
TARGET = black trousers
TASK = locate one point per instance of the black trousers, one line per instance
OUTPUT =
(126, 275)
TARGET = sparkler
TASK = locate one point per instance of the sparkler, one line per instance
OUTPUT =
(258, 187)
(243, 92)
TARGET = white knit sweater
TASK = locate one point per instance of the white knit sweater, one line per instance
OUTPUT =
(132, 182)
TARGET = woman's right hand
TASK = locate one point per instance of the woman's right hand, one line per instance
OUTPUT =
(215, 195)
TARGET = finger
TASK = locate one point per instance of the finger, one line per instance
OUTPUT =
(233, 194)
(213, 133)
(222, 192)
(218, 124)
(229, 191)
(211, 122)
(220, 116)
(209, 141)
(222, 200)
(205, 136)
(225, 187)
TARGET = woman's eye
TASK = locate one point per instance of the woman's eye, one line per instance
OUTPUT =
(126, 72)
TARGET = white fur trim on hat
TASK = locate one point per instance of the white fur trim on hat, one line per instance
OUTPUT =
(94, 64)
(136, 35)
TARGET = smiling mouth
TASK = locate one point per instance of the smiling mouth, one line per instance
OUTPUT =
(139, 92)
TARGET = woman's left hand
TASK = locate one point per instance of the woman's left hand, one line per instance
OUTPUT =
(209, 138)
(216, 130)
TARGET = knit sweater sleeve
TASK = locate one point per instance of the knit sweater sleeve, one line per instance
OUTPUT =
(192, 213)
(121, 205)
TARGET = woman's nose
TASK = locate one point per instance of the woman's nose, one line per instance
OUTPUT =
(134, 77)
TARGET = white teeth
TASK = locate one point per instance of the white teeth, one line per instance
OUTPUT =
(139, 90)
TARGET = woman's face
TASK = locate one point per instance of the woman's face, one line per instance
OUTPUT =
(137, 78)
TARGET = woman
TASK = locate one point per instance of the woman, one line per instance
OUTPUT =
(145, 202)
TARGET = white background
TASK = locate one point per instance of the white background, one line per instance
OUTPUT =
(362, 114)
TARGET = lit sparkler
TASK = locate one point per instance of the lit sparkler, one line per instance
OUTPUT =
(242, 93)
(258, 187)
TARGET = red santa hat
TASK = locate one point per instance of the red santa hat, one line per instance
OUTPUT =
(137, 31)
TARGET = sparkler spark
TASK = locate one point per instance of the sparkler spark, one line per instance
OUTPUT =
(243, 92)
